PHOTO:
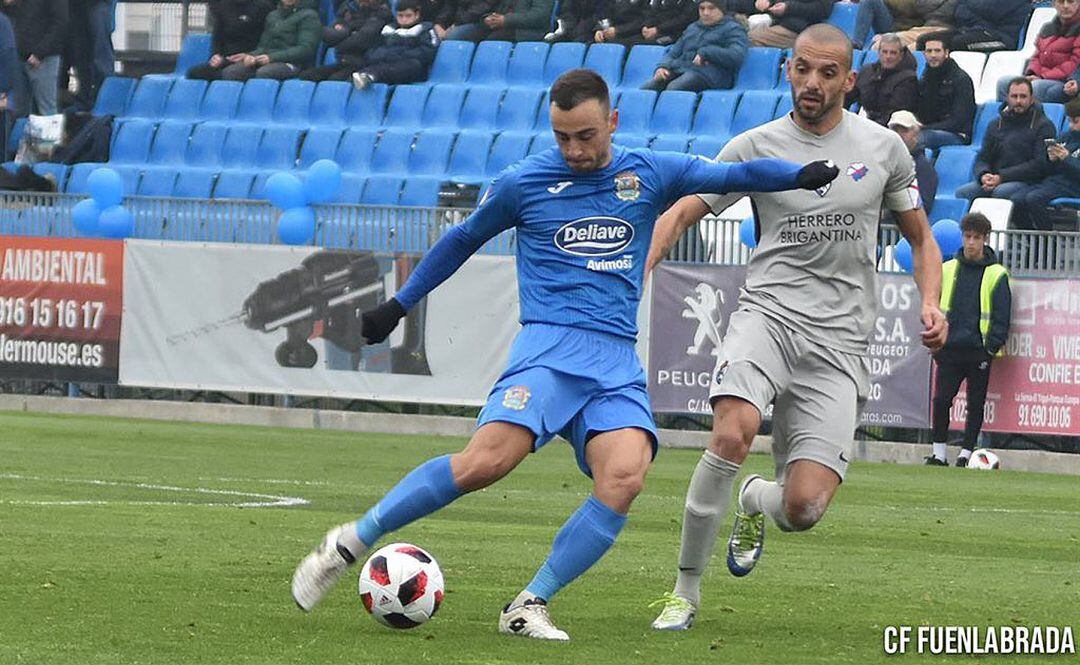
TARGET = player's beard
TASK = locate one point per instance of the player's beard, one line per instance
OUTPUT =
(813, 115)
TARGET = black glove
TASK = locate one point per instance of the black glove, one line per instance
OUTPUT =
(377, 324)
(817, 174)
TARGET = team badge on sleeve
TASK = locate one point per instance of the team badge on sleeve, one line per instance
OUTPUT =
(627, 186)
(516, 398)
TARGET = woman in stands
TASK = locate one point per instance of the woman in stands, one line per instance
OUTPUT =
(1057, 55)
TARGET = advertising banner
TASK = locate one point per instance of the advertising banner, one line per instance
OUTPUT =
(60, 308)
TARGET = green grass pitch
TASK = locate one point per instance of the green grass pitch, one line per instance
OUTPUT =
(142, 574)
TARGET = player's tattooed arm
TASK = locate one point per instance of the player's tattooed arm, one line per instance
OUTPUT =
(686, 212)
(927, 268)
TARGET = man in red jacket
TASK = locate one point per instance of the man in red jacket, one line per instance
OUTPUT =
(1057, 55)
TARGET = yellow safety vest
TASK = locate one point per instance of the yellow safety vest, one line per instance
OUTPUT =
(992, 274)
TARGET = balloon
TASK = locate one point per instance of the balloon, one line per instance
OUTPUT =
(297, 226)
(902, 254)
(85, 215)
(748, 232)
(116, 222)
(323, 181)
(105, 187)
(285, 191)
(949, 237)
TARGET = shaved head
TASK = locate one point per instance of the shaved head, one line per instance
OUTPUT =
(822, 36)
(820, 73)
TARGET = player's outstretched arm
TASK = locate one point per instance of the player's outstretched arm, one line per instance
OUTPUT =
(686, 212)
(774, 175)
(926, 257)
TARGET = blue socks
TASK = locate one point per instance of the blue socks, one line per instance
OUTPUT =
(426, 489)
(585, 537)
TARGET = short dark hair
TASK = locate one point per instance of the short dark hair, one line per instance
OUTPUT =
(719, 4)
(406, 5)
(577, 86)
(1020, 80)
(1072, 109)
(937, 38)
(975, 222)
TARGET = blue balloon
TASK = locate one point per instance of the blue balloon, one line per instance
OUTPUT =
(902, 255)
(105, 187)
(949, 237)
(297, 226)
(116, 222)
(285, 191)
(748, 232)
(85, 215)
(323, 181)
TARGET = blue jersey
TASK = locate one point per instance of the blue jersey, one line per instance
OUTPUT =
(582, 238)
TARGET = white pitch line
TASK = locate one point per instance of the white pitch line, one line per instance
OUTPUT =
(269, 481)
(949, 509)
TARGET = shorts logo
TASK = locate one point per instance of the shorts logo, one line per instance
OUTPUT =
(857, 171)
(594, 236)
(627, 186)
(516, 398)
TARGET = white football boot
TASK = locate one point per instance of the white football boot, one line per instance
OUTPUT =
(530, 619)
(747, 536)
(320, 570)
(678, 613)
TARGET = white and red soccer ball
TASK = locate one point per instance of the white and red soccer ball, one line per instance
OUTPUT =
(401, 585)
(984, 460)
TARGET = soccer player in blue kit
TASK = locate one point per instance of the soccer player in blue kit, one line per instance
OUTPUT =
(584, 214)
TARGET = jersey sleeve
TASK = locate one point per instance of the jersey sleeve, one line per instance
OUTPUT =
(498, 211)
(731, 152)
(902, 187)
(683, 174)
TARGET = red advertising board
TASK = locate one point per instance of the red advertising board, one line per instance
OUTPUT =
(60, 308)
(1035, 387)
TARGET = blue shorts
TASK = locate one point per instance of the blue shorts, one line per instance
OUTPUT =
(571, 382)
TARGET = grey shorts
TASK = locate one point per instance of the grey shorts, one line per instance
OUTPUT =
(818, 393)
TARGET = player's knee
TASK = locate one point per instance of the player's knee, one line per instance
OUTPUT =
(729, 445)
(622, 483)
(803, 512)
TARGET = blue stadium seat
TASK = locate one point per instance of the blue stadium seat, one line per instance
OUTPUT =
(129, 176)
(760, 69)
(635, 110)
(631, 140)
(986, 114)
(319, 143)
(755, 108)
(328, 104)
(508, 148)
(843, 17)
(131, 143)
(480, 108)
(58, 171)
(258, 185)
(443, 106)
(1056, 113)
(220, 100)
(204, 148)
(673, 113)
(113, 96)
(256, 103)
(543, 113)
(431, 153)
(194, 184)
(76, 183)
(490, 62)
(293, 102)
(470, 156)
(542, 142)
(953, 166)
(234, 185)
(354, 151)
(365, 107)
(857, 56)
(278, 148)
(708, 146)
(784, 106)
(329, 56)
(148, 100)
(606, 60)
(171, 141)
(352, 188)
(519, 108)
(670, 143)
(184, 99)
(241, 146)
(392, 153)
(406, 106)
(640, 65)
(382, 190)
(157, 182)
(452, 62)
(195, 50)
(948, 208)
(422, 192)
(563, 57)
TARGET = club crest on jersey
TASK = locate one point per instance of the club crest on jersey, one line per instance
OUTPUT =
(516, 398)
(627, 186)
(857, 171)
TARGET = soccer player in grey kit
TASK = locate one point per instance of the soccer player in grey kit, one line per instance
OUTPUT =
(799, 337)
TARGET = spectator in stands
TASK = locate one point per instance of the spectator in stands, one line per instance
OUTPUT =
(355, 31)
(577, 21)
(908, 127)
(976, 298)
(509, 20)
(1013, 154)
(1072, 86)
(909, 19)
(946, 104)
(40, 30)
(439, 12)
(238, 24)
(778, 22)
(623, 22)
(465, 18)
(406, 52)
(707, 56)
(1062, 176)
(1057, 54)
(89, 47)
(288, 45)
(667, 19)
(988, 25)
(888, 85)
(10, 67)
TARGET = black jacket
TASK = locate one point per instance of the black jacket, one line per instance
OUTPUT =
(417, 43)
(799, 14)
(965, 313)
(947, 99)
(627, 16)
(1002, 18)
(434, 10)
(237, 25)
(882, 91)
(671, 17)
(465, 11)
(363, 25)
(1013, 147)
(575, 11)
(41, 26)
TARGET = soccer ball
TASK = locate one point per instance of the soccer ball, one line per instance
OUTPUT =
(984, 459)
(401, 585)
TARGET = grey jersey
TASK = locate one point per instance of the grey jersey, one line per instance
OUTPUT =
(814, 268)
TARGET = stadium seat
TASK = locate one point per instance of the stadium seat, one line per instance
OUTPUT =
(328, 104)
(518, 109)
(843, 17)
(1056, 114)
(670, 143)
(352, 188)
(1040, 16)
(953, 166)
(760, 69)
(278, 148)
(329, 57)
(76, 183)
(220, 100)
(490, 62)
(14, 136)
(131, 143)
(185, 98)
(204, 148)
(234, 185)
(998, 65)
(635, 111)
(293, 103)
(392, 153)
(470, 156)
(171, 142)
(508, 148)
(195, 50)
(452, 62)
(443, 106)
(563, 57)
(783, 106)
(382, 190)
(365, 107)
(256, 104)
(319, 143)
(421, 192)
(755, 108)
(241, 146)
(148, 100)
(157, 182)
(673, 113)
(948, 208)
(715, 113)
(129, 176)
(354, 151)
(258, 185)
(543, 113)
(480, 108)
(542, 142)
(606, 60)
(406, 106)
(640, 65)
(526, 66)
(58, 171)
(194, 184)
(431, 152)
(987, 113)
(708, 146)
(631, 140)
(113, 95)
(972, 62)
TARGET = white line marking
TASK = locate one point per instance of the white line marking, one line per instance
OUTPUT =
(948, 509)
(269, 481)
